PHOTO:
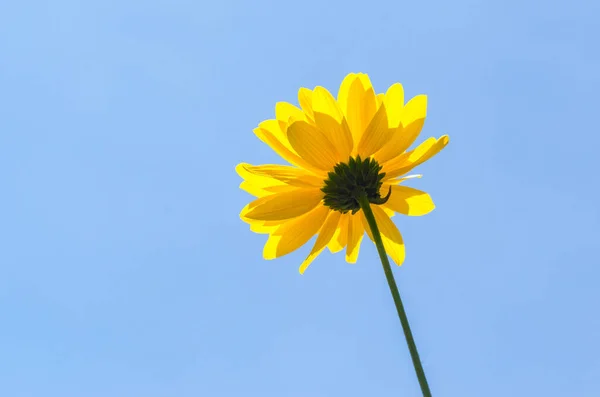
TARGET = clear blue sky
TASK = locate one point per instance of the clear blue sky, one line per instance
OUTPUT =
(125, 270)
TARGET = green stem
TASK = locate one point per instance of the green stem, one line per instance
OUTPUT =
(412, 347)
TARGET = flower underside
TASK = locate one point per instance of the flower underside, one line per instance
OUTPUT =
(352, 180)
(337, 148)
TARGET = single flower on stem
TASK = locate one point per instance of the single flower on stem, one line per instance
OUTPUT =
(349, 160)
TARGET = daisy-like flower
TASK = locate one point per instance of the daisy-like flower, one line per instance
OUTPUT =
(340, 150)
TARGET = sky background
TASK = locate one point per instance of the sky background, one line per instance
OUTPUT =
(125, 270)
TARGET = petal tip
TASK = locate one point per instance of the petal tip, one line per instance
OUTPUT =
(241, 168)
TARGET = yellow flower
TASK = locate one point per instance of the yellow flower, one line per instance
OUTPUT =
(358, 142)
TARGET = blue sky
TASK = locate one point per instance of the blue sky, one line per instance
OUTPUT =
(125, 270)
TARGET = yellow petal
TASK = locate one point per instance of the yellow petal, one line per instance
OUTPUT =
(376, 135)
(419, 155)
(352, 110)
(392, 239)
(408, 201)
(253, 190)
(388, 211)
(258, 225)
(325, 234)
(324, 102)
(274, 127)
(385, 188)
(265, 227)
(264, 180)
(330, 120)
(258, 191)
(360, 106)
(368, 109)
(390, 235)
(295, 233)
(312, 145)
(340, 237)
(342, 96)
(390, 183)
(257, 178)
(365, 81)
(408, 157)
(369, 97)
(400, 140)
(260, 185)
(380, 99)
(410, 132)
(286, 153)
(280, 173)
(305, 101)
(415, 109)
(283, 112)
(394, 102)
(409, 122)
(284, 205)
(356, 231)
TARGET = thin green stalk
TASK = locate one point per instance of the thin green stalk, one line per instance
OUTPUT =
(412, 347)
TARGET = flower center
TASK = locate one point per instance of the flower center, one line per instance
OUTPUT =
(352, 180)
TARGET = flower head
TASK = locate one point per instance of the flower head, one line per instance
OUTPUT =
(338, 150)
